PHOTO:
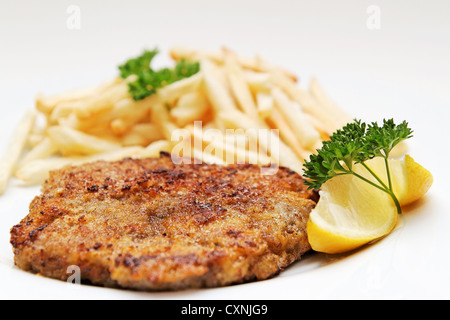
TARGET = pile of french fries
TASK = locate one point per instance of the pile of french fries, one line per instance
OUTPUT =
(230, 92)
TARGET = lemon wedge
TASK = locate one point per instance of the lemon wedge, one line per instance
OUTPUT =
(410, 180)
(351, 212)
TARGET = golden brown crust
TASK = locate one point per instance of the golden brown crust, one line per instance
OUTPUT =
(152, 225)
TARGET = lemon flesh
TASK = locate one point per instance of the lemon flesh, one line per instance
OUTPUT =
(352, 213)
(410, 180)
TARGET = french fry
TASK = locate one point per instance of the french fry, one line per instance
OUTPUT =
(248, 95)
(246, 150)
(61, 111)
(190, 107)
(217, 93)
(306, 134)
(263, 65)
(206, 157)
(217, 123)
(37, 133)
(256, 64)
(161, 118)
(45, 149)
(119, 127)
(15, 149)
(149, 131)
(153, 150)
(287, 135)
(238, 120)
(279, 152)
(71, 121)
(177, 89)
(342, 118)
(134, 139)
(47, 104)
(252, 157)
(184, 53)
(306, 101)
(136, 110)
(320, 127)
(34, 139)
(211, 142)
(127, 111)
(73, 142)
(141, 135)
(37, 171)
(238, 138)
(239, 86)
(265, 105)
(258, 81)
(182, 149)
(102, 102)
(232, 148)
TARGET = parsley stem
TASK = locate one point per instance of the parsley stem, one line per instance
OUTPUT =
(357, 143)
(385, 189)
(388, 172)
(370, 182)
(393, 196)
(397, 203)
(374, 175)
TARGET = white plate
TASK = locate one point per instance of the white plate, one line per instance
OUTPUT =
(410, 263)
(408, 54)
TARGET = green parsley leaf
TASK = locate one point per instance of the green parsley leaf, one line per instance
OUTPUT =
(381, 140)
(148, 81)
(137, 65)
(356, 143)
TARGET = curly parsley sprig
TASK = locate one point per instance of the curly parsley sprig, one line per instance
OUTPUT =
(148, 81)
(356, 143)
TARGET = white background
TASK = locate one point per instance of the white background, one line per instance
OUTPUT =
(401, 70)
(40, 53)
